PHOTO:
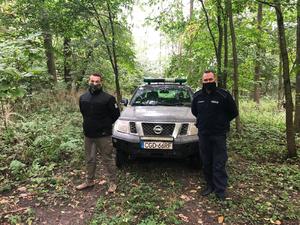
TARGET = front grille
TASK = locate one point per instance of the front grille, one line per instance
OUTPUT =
(132, 127)
(184, 128)
(165, 128)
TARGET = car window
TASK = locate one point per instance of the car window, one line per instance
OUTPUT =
(161, 95)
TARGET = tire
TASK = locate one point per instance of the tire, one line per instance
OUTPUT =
(121, 158)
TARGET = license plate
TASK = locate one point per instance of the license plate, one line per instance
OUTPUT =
(156, 145)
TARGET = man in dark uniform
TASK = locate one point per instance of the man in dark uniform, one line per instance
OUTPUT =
(214, 108)
(99, 111)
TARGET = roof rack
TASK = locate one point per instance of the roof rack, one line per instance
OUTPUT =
(165, 80)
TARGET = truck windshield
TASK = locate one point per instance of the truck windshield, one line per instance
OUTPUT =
(167, 96)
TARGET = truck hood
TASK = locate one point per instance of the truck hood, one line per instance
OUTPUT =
(158, 114)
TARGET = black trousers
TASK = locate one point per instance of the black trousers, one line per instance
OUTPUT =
(213, 152)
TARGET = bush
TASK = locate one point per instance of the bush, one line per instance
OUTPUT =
(50, 132)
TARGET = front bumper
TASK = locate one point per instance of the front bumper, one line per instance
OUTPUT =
(183, 146)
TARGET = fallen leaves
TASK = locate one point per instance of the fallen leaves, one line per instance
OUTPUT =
(277, 222)
(4, 200)
(220, 219)
(183, 217)
(200, 221)
(22, 189)
(13, 211)
(101, 182)
(185, 198)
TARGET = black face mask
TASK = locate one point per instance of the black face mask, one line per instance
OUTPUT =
(95, 89)
(210, 87)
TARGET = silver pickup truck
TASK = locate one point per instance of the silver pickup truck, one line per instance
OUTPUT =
(157, 122)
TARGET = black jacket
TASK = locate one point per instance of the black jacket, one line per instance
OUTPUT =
(99, 112)
(213, 111)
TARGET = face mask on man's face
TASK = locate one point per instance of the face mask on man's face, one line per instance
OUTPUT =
(209, 87)
(94, 88)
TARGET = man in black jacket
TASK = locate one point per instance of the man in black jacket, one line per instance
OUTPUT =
(99, 111)
(214, 108)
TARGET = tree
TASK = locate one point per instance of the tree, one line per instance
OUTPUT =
(297, 105)
(235, 62)
(290, 133)
(257, 68)
(104, 16)
(191, 8)
(47, 34)
(217, 47)
(225, 49)
(33, 15)
(67, 55)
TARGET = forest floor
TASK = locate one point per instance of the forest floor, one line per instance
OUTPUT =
(155, 192)
(42, 161)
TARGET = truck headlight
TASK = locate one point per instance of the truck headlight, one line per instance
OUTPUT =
(192, 129)
(122, 126)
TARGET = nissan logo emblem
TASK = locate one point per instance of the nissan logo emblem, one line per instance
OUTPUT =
(158, 129)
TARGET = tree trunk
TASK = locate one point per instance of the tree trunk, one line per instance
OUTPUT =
(191, 8)
(67, 60)
(297, 106)
(3, 115)
(110, 45)
(235, 64)
(49, 52)
(220, 43)
(290, 133)
(225, 69)
(114, 55)
(86, 62)
(209, 28)
(217, 48)
(280, 85)
(257, 68)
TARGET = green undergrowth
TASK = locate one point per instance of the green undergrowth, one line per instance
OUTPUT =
(45, 142)
(36, 146)
(263, 132)
(262, 193)
(145, 197)
(265, 185)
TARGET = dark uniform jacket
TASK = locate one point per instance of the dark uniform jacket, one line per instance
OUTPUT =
(213, 111)
(99, 112)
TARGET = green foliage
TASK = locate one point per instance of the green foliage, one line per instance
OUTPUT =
(27, 216)
(24, 53)
(16, 167)
(196, 52)
(263, 192)
(263, 125)
(46, 138)
(9, 84)
(42, 149)
(20, 66)
(139, 201)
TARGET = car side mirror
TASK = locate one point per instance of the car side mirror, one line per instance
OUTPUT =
(124, 101)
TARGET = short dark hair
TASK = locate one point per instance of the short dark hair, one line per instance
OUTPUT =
(209, 71)
(97, 75)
